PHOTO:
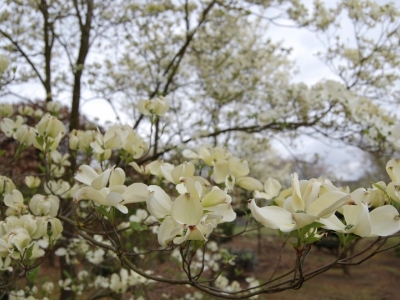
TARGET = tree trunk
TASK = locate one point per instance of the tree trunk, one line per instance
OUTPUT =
(80, 62)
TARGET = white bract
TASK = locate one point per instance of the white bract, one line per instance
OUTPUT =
(115, 195)
(157, 106)
(309, 202)
(192, 215)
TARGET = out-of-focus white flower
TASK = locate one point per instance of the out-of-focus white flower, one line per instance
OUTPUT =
(5, 264)
(101, 282)
(9, 126)
(6, 110)
(25, 110)
(157, 106)
(32, 181)
(82, 275)
(17, 295)
(118, 284)
(6, 185)
(38, 113)
(213, 246)
(50, 126)
(48, 287)
(25, 135)
(142, 215)
(208, 154)
(96, 256)
(65, 284)
(53, 107)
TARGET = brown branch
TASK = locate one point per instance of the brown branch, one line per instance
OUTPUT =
(24, 55)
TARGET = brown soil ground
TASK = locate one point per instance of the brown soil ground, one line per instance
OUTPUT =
(377, 278)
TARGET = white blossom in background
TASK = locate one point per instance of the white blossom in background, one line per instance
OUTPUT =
(157, 106)
(32, 181)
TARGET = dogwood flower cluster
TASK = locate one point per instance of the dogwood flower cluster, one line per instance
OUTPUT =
(227, 168)
(363, 212)
(108, 189)
(157, 106)
(45, 136)
(119, 283)
(31, 226)
(193, 214)
(101, 145)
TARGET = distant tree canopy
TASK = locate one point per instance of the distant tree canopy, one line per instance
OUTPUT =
(214, 63)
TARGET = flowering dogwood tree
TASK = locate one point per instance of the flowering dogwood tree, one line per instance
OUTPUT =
(108, 213)
(105, 202)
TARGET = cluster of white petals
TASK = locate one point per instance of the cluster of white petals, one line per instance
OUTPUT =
(108, 189)
(116, 137)
(227, 168)
(365, 213)
(193, 214)
(157, 106)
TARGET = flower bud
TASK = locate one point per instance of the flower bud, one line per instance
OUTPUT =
(25, 110)
(50, 126)
(9, 126)
(38, 113)
(6, 110)
(53, 107)
(25, 135)
(49, 227)
(6, 185)
(32, 181)
(41, 205)
(157, 106)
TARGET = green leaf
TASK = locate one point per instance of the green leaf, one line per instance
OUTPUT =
(102, 210)
(346, 239)
(32, 275)
(306, 229)
(28, 253)
(67, 274)
(198, 244)
(227, 257)
(135, 226)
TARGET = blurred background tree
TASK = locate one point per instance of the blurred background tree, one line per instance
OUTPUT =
(226, 81)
